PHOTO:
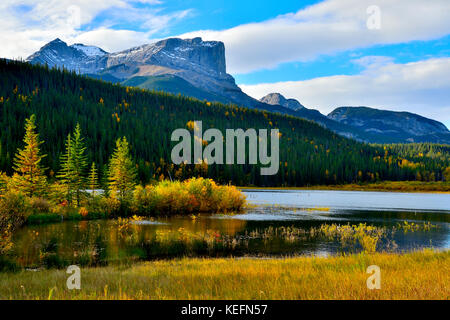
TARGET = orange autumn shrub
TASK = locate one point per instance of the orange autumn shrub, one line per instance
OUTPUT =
(83, 212)
(186, 197)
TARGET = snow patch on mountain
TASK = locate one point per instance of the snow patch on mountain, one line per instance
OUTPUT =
(90, 51)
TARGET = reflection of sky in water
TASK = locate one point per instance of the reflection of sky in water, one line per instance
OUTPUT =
(148, 222)
(264, 216)
(306, 208)
(281, 214)
(447, 242)
(351, 199)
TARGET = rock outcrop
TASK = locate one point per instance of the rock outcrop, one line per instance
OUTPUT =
(279, 99)
(201, 63)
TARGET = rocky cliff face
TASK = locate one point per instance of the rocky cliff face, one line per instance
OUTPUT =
(201, 63)
(279, 99)
(204, 57)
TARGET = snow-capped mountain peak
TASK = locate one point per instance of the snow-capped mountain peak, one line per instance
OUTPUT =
(90, 51)
(77, 57)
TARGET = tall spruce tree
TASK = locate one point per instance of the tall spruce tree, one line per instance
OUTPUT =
(80, 163)
(73, 166)
(29, 175)
(65, 174)
(93, 179)
(122, 171)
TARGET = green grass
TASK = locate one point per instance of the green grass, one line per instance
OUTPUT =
(417, 275)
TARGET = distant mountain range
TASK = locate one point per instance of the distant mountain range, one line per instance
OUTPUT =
(400, 125)
(197, 68)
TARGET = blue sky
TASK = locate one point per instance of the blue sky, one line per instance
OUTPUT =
(341, 63)
(320, 52)
(223, 14)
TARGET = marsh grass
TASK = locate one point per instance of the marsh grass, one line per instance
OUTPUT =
(366, 236)
(417, 275)
(412, 226)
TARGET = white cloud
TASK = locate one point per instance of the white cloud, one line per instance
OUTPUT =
(26, 25)
(373, 61)
(113, 40)
(328, 27)
(421, 87)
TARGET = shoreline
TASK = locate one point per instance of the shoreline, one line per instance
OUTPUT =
(388, 186)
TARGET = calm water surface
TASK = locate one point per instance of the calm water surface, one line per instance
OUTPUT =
(255, 232)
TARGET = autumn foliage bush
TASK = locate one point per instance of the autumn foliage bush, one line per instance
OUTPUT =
(40, 205)
(186, 197)
(14, 211)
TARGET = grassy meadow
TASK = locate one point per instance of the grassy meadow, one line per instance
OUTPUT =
(416, 275)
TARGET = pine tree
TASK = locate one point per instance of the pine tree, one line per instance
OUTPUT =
(93, 179)
(79, 163)
(122, 171)
(74, 165)
(29, 175)
(65, 175)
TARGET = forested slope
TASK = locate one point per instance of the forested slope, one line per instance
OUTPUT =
(309, 154)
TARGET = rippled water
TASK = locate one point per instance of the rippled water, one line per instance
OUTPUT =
(94, 242)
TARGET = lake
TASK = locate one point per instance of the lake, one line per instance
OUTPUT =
(277, 223)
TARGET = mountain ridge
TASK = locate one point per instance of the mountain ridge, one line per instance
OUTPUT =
(395, 122)
(402, 126)
(279, 99)
(196, 68)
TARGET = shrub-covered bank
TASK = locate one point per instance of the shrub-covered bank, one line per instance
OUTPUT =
(164, 198)
(29, 195)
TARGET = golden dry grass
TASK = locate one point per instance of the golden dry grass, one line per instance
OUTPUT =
(417, 275)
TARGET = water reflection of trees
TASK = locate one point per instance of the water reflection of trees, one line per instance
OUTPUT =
(103, 241)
